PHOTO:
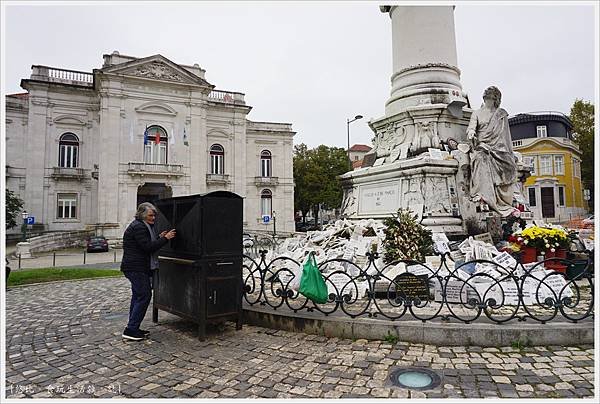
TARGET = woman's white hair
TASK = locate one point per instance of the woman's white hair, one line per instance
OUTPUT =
(143, 209)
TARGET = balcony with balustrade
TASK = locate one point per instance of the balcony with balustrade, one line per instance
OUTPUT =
(62, 76)
(266, 181)
(217, 179)
(156, 170)
(68, 173)
(227, 97)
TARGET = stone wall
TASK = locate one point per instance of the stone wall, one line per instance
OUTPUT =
(52, 241)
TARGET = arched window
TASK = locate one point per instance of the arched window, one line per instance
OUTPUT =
(266, 203)
(68, 150)
(265, 164)
(217, 159)
(155, 145)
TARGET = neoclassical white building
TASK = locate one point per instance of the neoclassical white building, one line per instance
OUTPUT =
(83, 149)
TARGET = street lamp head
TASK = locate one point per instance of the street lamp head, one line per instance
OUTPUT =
(358, 117)
(25, 214)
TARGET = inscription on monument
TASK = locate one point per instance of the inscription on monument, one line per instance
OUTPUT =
(412, 286)
(379, 198)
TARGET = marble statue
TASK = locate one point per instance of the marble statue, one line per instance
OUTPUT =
(493, 164)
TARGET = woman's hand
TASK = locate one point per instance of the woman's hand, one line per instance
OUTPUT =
(168, 234)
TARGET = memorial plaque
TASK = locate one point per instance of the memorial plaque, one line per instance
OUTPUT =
(379, 198)
(412, 286)
(456, 292)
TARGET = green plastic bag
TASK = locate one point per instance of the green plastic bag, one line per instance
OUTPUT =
(312, 284)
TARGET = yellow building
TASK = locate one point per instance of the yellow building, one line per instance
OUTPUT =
(554, 190)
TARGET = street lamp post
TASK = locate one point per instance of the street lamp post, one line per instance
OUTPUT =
(348, 122)
(24, 215)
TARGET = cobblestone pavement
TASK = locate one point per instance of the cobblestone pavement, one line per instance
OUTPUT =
(63, 340)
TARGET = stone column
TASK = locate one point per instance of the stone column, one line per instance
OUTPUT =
(109, 152)
(424, 57)
(35, 158)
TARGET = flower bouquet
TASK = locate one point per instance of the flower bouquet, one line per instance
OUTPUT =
(548, 240)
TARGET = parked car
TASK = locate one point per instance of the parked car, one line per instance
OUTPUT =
(97, 243)
(588, 221)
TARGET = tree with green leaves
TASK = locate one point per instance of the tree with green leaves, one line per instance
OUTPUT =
(582, 117)
(13, 206)
(315, 177)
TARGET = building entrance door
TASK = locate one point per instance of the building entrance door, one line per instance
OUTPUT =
(151, 191)
(547, 201)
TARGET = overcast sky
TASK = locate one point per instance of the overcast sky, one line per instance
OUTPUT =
(313, 64)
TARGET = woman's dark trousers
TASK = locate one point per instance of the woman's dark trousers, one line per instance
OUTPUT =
(141, 293)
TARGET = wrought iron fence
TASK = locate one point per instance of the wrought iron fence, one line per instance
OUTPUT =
(476, 290)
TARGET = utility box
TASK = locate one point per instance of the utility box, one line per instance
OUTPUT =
(200, 270)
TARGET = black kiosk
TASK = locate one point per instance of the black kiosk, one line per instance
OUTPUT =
(200, 270)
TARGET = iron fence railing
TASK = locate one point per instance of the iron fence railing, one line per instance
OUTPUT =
(445, 293)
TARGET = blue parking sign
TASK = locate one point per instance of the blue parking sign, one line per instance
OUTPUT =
(30, 220)
(266, 219)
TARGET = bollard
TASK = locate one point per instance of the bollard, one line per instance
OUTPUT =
(53, 260)
(83, 257)
(115, 255)
(19, 260)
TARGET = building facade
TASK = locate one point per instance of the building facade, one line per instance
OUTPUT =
(84, 149)
(545, 140)
(357, 153)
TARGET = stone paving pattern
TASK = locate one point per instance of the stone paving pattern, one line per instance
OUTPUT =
(63, 340)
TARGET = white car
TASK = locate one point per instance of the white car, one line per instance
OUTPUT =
(588, 221)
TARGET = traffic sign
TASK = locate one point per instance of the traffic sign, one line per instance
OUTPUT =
(30, 220)
(266, 219)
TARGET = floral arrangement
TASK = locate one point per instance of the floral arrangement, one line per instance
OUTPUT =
(406, 239)
(543, 238)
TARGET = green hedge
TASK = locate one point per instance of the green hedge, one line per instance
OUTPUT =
(28, 276)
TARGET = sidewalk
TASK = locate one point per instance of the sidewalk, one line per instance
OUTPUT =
(68, 258)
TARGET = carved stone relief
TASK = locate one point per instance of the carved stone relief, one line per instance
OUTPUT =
(349, 207)
(426, 136)
(438, 198)
(156, 70)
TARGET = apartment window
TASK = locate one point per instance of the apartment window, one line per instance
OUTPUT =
(355, 158)
(576, 168)
(155, 145)
(265, 164)
(542, 131)
(68, 148)
(561, 196)
(531, 160)
(531, 192)
(217, 159)
(66, 206)
(266, 203)
(545, 165)
(559, 165)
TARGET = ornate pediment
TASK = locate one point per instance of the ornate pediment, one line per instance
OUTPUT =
(156, 67)
(158, 71)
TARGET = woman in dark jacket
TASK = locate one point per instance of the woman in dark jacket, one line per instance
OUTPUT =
(140, 247)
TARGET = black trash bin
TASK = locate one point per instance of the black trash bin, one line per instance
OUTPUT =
(200, 270)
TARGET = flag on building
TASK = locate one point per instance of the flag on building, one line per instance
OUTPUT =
(185, 138)
(146, 141)
(172, 137)
(157, 137)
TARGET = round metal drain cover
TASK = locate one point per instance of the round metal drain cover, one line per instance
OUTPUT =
(415, 378)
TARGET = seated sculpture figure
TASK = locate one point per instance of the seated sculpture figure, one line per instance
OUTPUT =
(493, 164)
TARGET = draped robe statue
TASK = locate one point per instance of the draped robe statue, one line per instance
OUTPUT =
(493, 164)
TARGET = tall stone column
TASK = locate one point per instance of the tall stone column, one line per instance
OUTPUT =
(424, 57)
(109, 153)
